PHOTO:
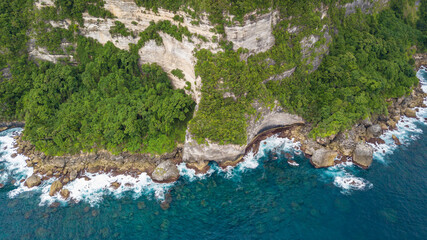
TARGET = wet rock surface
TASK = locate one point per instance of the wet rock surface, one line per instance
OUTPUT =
(33, 181)
(323, 158)
(65, 193)
(55, 187)
(200, 167)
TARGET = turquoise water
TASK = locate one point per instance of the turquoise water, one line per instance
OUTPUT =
(261, 199)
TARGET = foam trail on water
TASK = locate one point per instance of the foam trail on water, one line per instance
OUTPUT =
(343, 176)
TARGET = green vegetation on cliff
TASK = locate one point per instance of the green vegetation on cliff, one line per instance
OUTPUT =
(105, 102)
(367, 64)
(74, 9)
(103, 99)
(120, 29)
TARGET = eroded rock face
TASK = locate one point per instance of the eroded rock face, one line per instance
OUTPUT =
(33, 181)
(200, 167)
(166, 171)
(194, 152)
(365, 5)
(256, 36)
(363, 155)
(323, 158)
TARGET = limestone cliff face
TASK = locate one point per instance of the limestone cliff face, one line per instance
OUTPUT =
(365, 5)
(255, 34)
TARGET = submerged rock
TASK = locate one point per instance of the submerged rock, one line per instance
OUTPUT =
(165, 172)
(56, 187)
(363, 155)
(141, 205)
(33, 181)
(115, 185)
(200, 167)
(396, 140)
(323, 158)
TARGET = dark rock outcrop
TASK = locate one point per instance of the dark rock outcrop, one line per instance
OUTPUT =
(14, 124)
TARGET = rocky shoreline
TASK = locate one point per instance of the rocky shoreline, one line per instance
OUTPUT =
(350, 145)
(13, 124)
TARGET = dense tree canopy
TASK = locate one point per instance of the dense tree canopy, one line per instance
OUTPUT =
(105, 100)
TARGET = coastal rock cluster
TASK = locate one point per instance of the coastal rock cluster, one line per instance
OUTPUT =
(256, 35)
(162, 168)
(352, 145)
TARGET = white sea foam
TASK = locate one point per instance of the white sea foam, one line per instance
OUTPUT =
(250, 161)
(14, 167)
(99, 185)
(407, 131)
(343, 176)
(190, 174)
(407, 128)
(91, 191)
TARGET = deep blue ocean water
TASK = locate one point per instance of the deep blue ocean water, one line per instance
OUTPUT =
(268, 200)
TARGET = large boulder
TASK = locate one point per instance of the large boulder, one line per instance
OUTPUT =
(56, 187)
(363, 155)
(33, 181)
(374, 131)
(410, 113)
(323, 158)
(165, 172)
